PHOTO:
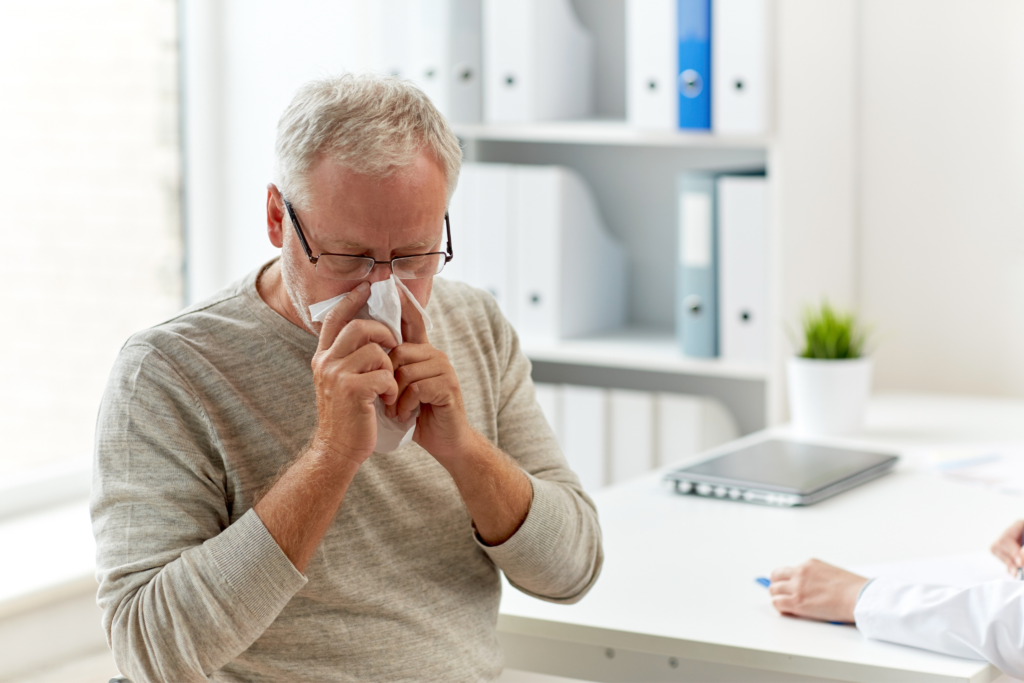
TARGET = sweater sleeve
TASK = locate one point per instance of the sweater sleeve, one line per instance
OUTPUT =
(985, 621)
(556, 553)
(183, 591)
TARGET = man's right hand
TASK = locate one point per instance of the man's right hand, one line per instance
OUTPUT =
(351, 369)
(1007, 547)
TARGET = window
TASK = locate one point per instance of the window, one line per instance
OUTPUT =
(91, 238)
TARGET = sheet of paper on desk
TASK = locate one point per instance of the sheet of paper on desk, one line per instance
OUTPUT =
(1000, 468)
(953, 570)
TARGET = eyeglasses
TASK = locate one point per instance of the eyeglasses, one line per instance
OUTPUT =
(348, 267)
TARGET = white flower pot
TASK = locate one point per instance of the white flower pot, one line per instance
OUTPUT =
(828, 397)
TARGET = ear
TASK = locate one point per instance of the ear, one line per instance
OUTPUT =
(275, 216)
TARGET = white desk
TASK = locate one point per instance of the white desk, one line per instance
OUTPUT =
(677, 599)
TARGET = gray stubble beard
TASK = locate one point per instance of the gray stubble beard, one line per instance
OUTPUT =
(298, 296)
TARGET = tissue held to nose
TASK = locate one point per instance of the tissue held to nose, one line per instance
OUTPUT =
(384, 306)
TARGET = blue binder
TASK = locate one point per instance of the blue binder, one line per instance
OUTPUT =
(697, 269)
(695, 64)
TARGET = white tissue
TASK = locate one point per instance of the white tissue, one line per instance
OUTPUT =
(384, 306)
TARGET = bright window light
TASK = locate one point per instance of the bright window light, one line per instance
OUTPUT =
(91, 238)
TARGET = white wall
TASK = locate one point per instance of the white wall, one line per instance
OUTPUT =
(91, 234)
(244, 61)
(942, 193)
(813, 166)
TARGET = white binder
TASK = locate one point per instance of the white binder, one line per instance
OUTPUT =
(538, 62)
(743, 267)
(446, 59)
(549, 398)
(630, 434)
(652, 61)
(538, 228)
(739, 71)
(678, 420)
(494, 268)
(462, 215)
(482, 215)
(584, 412)
(572, 273)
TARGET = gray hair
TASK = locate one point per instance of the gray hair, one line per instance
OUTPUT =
(370, 124)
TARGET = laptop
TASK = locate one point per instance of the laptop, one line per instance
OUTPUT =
(780, 472)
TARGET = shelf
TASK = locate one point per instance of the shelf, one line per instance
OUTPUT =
(640, 349)
(607, 132)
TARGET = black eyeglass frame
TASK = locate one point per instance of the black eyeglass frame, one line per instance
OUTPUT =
(448, 254)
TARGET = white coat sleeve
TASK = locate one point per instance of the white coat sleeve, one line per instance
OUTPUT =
(981, 622)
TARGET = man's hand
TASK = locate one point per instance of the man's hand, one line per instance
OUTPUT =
(816, 590)
(425, 378)
(1008, 549)
(350, 370)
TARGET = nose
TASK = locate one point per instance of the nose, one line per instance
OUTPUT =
(381, 271)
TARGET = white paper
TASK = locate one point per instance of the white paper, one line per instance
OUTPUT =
(384, 306)
(995, 467)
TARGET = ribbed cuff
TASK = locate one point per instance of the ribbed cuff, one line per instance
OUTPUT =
(254, 566)
(530, 548)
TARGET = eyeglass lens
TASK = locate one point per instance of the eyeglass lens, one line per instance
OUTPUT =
(334, 267)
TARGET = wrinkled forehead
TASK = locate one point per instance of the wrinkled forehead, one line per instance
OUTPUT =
(418, 186)
(346, 235)
(358, 211)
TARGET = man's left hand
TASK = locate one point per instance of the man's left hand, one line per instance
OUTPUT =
(427, 379)
(816, 590)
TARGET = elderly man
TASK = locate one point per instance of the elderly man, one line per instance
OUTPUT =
(246, 529)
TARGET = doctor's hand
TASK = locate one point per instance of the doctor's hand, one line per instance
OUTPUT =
(350, 370)
(816, 590)
(427, 379)
(1007, 547)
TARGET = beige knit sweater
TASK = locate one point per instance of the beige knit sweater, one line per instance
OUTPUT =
(202, 411)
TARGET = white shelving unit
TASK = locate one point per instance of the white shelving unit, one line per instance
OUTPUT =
(602, 132)
(638, 348)
(609, 154)
(649, 360)
(809, 160)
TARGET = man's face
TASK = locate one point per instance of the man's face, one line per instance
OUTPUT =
(353, 214)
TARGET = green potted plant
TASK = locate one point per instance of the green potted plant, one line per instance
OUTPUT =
(830, 377)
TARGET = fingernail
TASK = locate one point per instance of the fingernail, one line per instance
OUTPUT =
(363, 287)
